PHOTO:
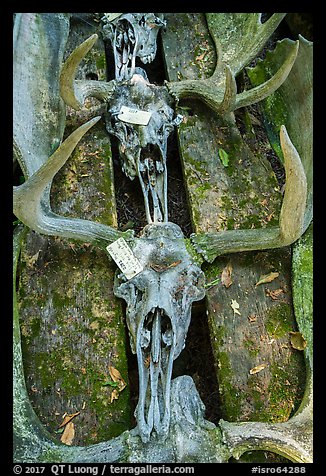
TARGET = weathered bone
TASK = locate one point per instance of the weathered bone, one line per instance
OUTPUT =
(160, 249)
(132, 35)
(159, 303)
(192, 439)
(296, 99)
(75, 92)
(219, 91)
(143, 148)
(31, 200)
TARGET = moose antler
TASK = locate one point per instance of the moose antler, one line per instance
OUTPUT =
(32, 205)
(75, 92)
(31, 200)
(291, 222)
(219, 91)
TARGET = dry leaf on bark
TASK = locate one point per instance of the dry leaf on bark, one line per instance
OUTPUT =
(114, 395)
(235, 306)
(257, 369)
(68, 418)
(68, 434)
(226, 279)
(116, 377)
(252, 318)
(274, 294)
(267, 278)
(298, 341)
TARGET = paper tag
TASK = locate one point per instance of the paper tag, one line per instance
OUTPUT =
(112, 16)
(121, 253)
(134, 116)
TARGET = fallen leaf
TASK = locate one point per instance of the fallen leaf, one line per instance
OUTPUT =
(226, 279)
(31, 261)
(147, 361)
(274, 294)
(200, 57)
(67, 418)
(235, 306)
(252, 318)
(224, 157)
(298, 341)
(116, 377)
(267, 278)
(114, 395)
(114, 373)
(175, 263)
(257, 369)
(69, 434)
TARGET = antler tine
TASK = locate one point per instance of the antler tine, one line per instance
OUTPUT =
(291, 221)
(286, 439)
(32, 204)
(293, 438)
(251, 96)
(219, 91)
(75, 92)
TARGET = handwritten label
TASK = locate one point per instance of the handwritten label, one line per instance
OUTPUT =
(134, 116)
(121, 253)
(112, 16)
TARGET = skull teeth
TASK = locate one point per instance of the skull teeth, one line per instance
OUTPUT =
(167, 337)
(148, 58)
(145, 338)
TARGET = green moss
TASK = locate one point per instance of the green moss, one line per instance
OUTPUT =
(252, 347)
(279, 320)
(281, 398)
(286, 388)
(230, 398)
(197, 258)
(212, 270)
(62, 373)
(100, 62)
(302, 286)
(275, 114)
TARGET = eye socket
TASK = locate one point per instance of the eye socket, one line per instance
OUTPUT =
(142, 21)
(91, 76)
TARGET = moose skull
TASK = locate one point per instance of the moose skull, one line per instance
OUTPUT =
(159, 301)
(143, 146)
(132, 35)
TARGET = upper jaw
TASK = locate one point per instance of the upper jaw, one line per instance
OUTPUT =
(156, 343)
